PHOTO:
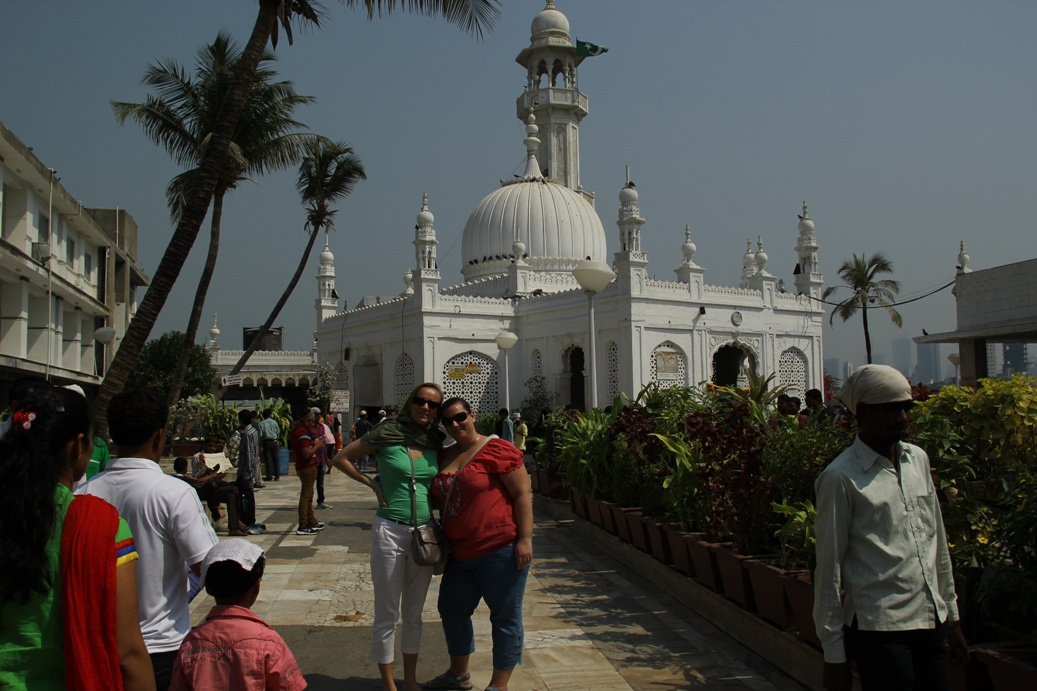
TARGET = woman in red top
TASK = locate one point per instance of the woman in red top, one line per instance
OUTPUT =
(484, 490)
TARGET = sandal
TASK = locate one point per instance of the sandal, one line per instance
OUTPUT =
(447, 680)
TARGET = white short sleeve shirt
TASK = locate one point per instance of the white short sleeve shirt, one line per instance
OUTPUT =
(171, 531)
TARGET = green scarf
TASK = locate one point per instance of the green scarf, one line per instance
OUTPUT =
(404, 431)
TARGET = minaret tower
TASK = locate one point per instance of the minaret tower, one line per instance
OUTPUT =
(327, 297)
(631, 261)
(552, 94)
(425, 276)
(807, 275)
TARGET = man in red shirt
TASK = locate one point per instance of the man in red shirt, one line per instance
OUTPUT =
(306, 447)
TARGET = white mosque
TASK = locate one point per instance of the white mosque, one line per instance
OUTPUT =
(541, 298)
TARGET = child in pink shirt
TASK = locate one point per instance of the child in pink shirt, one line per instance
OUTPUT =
(234, 648)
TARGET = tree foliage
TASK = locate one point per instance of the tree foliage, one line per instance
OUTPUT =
(860, 275)
(154, 367)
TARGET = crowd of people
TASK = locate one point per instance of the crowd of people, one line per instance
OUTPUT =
(96, 589)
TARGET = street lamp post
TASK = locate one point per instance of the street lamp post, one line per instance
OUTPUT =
(593, 277)
(505, 340)
(105, 335)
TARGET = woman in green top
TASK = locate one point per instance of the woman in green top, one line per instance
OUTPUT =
(405, 448)
(68, 587)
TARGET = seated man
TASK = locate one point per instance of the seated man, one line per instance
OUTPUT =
(213, 490)
(213, 453)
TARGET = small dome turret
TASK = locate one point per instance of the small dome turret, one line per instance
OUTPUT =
(425, 217)
(806, 226)
(549, 24)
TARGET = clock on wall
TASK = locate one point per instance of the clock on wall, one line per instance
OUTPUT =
(736, 318)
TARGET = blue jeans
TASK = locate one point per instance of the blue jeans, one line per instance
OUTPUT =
(493, 578)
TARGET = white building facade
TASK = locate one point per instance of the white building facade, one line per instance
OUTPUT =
(68, 275)
(519, 250)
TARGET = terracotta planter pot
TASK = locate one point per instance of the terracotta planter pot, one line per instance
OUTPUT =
(679, 556)
(608, 523)
(1011, 666)
(800, 596)
(185, 449)
(733, 575)
(658, 541)
(639, 530)
(577, 501)
(704, 561)
(619, 518)
(769, 591)
(552, 485)
(534, 480)
(594, 512)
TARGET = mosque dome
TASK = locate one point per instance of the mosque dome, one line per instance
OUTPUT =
(548, 24)
(425, 217)
(628, 194)
(326, 257)
(556, 224)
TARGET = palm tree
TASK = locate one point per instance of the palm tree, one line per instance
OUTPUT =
(859, 275)
(181, 117)
(328, 173)
(470, 15)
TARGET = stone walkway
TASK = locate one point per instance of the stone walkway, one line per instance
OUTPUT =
(590, 622)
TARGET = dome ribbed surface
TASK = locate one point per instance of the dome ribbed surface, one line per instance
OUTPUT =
(552, 220)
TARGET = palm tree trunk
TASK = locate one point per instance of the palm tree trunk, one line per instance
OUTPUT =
(191, 219)
(199, 298)
(276, 311)
(867, 332)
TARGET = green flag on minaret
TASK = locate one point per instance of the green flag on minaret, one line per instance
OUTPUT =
(589, 49)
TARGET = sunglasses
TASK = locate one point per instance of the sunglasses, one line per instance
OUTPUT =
(432, 405)
(455, 419)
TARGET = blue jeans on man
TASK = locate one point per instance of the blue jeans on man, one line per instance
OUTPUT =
(493, 578)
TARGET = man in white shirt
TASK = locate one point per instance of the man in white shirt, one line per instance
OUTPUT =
(169, 526)
(880, 538)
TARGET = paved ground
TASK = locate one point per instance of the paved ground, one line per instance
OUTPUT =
(590, 623)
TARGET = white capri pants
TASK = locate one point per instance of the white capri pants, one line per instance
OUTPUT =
(400, 585)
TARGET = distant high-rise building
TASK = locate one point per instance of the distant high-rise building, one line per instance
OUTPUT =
(928, 368)
(902, 360)
(1015, 359)
(833, 367)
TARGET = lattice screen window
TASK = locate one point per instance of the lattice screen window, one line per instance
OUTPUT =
(538, 364)
(474, 377)
(792, 370)
(342, 376)
(404, 377)
(668, 367)
(612, 356)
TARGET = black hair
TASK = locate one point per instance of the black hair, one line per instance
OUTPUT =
(267, 413)
(814, 394)
(502, 411)
(23, 386)
(32, 461)
(229, 580)
(135, 415)
(245, 416)
(180, 464)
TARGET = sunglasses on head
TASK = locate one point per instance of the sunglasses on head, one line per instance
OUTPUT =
(432, 405)
(455, 419)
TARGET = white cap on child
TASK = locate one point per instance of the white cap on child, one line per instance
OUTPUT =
(234, 549)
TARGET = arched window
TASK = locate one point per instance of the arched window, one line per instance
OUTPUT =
(668, 368)
(404, 377)
(475, 378)
(612, 357)
(792, 370)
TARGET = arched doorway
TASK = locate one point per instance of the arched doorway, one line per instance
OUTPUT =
(574, 363)
(728, 362)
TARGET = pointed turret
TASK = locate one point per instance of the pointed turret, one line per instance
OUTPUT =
(424, 277)
(327, 298)
(689, 272)
(808, 277)
(630, 260)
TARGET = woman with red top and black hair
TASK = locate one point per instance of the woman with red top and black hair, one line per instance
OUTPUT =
(68, 587)
(483, 487)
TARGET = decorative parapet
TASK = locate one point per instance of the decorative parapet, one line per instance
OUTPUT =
(732, 291)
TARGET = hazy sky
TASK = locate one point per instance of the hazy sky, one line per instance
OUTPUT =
(906, 126)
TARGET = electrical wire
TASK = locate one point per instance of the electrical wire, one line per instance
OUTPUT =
(892, 304)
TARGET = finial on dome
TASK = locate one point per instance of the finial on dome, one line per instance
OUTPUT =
(806, 225)
(532, 171)
(761, 256)
(214, 332)
(425, 217)
(688, 249)
(963, 259)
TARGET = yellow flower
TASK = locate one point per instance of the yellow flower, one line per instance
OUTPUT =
(982, 539)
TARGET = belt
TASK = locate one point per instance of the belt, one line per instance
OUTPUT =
(393, 520)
